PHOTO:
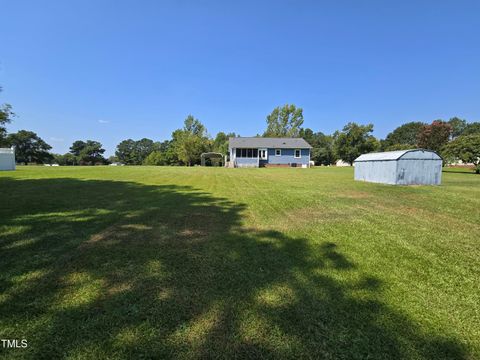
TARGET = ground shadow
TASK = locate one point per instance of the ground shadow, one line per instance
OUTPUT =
(102, 269)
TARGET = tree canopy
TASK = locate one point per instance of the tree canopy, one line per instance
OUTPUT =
(322, 152)
(191, 141)
(472, 128)
(353, 141)
(29, 147)
(458, 126)
(220, 143)
(434, 136)
(285, 121)
(465, 148)
(131, 152)
(403, 137)
(6, 116)
(88, 152)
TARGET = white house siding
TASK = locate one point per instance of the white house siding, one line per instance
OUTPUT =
(7, 159)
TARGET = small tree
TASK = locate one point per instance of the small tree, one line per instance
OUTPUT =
(285, 121)
(465, 148)
(434, 136)
(353, 141)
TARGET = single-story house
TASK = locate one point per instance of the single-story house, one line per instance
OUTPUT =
(7, 159)
(269, 152)
(403, 167)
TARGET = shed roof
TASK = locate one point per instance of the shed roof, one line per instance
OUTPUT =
(259, 142)
(420, 154)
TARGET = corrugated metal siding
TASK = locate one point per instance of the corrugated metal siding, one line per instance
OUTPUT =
(376, 171)
(420, 154)
(419, 172)
(409, 167)
(399, 154)
(7, 159)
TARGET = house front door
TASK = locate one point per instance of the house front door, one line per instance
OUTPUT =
(262, 156)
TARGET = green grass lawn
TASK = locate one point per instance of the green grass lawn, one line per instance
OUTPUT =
(152, 262)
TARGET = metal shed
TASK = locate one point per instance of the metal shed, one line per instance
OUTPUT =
(404, 167)
(7, 159)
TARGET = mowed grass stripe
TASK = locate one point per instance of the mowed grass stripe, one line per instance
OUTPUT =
(164, 262)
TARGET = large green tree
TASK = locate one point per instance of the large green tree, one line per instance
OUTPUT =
(133, 152)
(191, 141)
(88, 152)
(403, 137)
(465, 148)
(322, 152)
(220, 143)
(156, 158)
(434, 136)
(29, 147)
(285, 121)
(353, 141)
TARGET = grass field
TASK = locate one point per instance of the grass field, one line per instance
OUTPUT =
(152, 262)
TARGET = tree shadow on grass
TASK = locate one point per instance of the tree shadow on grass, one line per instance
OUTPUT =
(98, 269)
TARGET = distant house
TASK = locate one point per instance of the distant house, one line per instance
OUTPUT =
(404, 167)
(7, 159)
(269, 152)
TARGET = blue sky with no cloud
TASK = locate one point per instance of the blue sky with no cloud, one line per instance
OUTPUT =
(111, 70)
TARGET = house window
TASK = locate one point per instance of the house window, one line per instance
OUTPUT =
(278, 152)
(298, 154)
(246, 153)
(262, 154)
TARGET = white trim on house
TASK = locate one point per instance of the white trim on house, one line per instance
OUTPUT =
(279, 152)
(299, 153)
(265, 154)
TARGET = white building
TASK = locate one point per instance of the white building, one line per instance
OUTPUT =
(404, 167)
(7, 159)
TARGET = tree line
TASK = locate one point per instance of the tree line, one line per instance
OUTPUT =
(455, 139)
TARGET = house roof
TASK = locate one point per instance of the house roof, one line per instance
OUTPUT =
(396, 155)
(264, 142)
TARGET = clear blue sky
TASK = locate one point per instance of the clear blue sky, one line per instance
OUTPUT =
(111, 70)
